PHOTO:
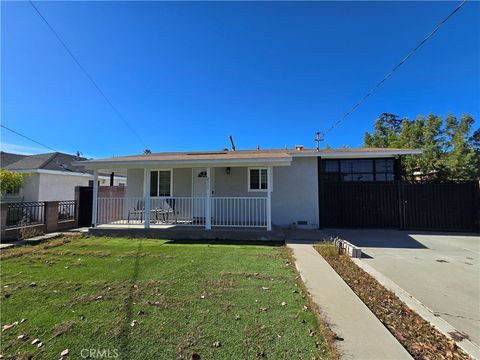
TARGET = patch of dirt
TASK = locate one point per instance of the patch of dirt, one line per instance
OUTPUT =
(418, 337)
(184, 347)
(132, 254)
(23, 356)
(34, 249)
(246, 274)
(223, 283)
(64, 328)
(118, 330)
(150, 290)
(158, 301)
(37, 249)
(269, 255)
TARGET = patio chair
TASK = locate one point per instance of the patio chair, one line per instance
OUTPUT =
(135, 211)
(164, 210)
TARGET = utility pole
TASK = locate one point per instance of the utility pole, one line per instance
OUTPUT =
(318, 138)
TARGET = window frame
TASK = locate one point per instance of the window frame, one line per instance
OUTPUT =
(249, 189)
(339, 175)
(158, 182)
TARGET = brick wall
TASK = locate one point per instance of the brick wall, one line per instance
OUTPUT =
(111, 191)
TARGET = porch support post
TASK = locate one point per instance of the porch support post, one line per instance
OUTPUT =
(269, 198)
(95, 198)
(146, 197)
(208, 201)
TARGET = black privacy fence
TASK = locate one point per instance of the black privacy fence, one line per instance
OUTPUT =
(25, 214)
(446, 206)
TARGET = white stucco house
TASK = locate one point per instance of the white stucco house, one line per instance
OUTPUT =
(51, 176)
(245, 188)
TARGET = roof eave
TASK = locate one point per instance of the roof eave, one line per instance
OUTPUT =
(360, 154)
(98, 164)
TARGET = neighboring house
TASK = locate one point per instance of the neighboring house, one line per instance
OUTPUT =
(51, 176)
(246, 188)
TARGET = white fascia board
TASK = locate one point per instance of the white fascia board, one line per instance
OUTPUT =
(361, 154)
(135, 164)
(65, 173)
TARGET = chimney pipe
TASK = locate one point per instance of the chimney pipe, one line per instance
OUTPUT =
(233, 144)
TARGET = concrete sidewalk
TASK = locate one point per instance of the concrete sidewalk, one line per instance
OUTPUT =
(364, 335)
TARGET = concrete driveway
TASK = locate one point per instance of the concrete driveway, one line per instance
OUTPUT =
(442, 270)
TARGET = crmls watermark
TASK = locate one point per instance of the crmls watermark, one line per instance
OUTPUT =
(99, 353)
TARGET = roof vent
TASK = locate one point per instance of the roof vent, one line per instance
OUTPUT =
(299, 147)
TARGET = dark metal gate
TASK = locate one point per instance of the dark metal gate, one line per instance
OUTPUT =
(440, 206)
(450, 206)
(85, 206)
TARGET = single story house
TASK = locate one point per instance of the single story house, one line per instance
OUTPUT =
(243, 188)
(51, 176)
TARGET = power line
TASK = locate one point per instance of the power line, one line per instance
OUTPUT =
(28, 138)
(119, 114)
(362, 100)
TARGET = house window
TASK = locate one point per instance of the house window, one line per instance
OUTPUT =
(357, 170)
(257, 179)
(161, 183)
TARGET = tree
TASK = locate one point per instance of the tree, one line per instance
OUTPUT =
(448, 151)
(462, 162)
(10, 182)
(474, 141)
(387, 128)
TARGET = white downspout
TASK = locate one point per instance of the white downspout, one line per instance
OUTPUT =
(269, 198)
(208, 204)
(95, 198)
(146, 197)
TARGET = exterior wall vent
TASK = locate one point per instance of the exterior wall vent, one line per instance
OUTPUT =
(302, 222)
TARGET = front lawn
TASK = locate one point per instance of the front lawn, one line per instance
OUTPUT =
(153, 299)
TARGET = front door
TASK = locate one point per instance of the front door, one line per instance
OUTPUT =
(199, 181)
(199, 192)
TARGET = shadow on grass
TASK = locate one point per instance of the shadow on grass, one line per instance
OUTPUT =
(227, 242)
(125, 338)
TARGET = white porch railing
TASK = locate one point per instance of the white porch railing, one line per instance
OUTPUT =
(239, 211)
(188, 211)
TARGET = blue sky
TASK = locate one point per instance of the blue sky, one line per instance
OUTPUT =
(186, 75)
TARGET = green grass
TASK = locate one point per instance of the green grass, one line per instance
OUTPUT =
(184, 298)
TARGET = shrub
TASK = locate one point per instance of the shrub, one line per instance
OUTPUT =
(10, 181)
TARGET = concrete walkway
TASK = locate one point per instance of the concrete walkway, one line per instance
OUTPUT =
(364, 335)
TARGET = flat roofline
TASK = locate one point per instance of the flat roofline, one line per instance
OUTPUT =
(279, 158)
(361, 154)
(98, 164)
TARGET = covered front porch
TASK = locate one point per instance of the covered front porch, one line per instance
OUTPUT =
(178, 198)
